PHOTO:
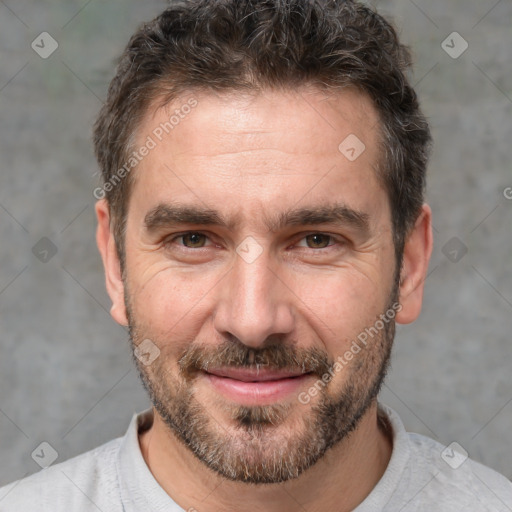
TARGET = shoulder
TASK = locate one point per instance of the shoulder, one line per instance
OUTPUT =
(425, 475)
(449, 476)
(85, 482)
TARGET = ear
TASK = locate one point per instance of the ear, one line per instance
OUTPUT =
(417, 252)
(107, 248)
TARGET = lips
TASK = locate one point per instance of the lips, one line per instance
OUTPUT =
(254, 375)
(256, 387)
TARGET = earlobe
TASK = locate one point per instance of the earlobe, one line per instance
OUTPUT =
(416, 257)
(106, 245)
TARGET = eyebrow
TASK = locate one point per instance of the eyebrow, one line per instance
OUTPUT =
(166, 215)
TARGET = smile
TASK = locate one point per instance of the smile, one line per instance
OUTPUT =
(254, 387)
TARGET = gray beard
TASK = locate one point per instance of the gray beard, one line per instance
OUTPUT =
(257, 452)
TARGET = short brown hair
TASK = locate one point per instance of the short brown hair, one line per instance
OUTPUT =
(235, 45)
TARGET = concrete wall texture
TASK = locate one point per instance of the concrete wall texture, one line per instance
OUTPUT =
(66, 375)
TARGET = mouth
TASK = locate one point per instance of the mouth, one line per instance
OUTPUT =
(255, 386)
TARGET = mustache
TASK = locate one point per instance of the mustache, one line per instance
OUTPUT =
(198, 357)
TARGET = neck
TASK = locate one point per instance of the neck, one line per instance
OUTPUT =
(340, 481)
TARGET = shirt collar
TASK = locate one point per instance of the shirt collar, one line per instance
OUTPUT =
(138, 487)
(394, 474)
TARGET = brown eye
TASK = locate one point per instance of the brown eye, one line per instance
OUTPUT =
(318, 240)
(196, 240)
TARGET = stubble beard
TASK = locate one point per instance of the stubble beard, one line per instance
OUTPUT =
(261, 444)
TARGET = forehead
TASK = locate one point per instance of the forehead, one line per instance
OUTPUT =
(252, 116)
(236, 149)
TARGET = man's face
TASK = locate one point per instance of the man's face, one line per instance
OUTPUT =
(270, 291)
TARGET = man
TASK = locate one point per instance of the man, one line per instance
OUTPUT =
(262, 227)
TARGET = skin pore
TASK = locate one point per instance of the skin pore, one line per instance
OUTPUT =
(293, 296)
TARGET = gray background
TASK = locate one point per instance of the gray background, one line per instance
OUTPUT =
(66, 375)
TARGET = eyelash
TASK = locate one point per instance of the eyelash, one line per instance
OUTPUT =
(332, 238)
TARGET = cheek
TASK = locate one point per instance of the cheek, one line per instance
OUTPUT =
(336, 304)
(339, 304)
(170, 301)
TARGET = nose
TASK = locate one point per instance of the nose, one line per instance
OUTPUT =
(254, 304)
